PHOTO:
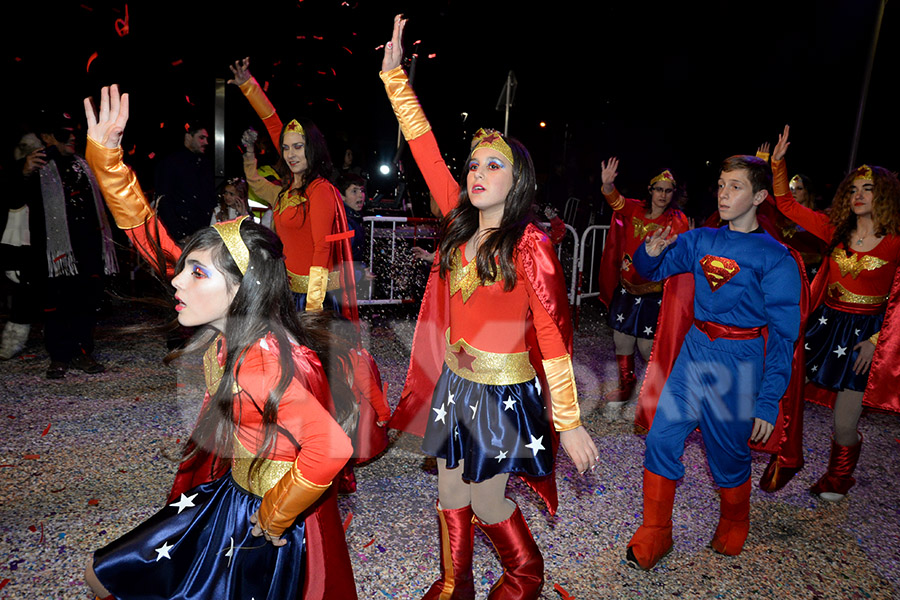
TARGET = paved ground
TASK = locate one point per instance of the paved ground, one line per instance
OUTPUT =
(84, 459)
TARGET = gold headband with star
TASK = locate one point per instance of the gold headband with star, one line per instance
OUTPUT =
(489, 138)
(664, 176)
(796, 179)
(230, 231)
(864, 172)
(296, 127)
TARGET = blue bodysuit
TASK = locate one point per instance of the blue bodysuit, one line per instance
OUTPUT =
(742, 281)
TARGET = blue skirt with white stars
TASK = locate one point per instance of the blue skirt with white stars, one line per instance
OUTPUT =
(200, 547)
(831, 335)
(634, 315)
(490, 429)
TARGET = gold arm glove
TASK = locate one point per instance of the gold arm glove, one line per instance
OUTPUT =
(874, 338)
(257, 98)
(318, 285)
(119, 184)
(406, 106)
(563, 395)
(288, 498)
(780, 183)
(615, 199)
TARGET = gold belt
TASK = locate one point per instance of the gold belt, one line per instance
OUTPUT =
(265, 477)
(300, 283)
(840, 293)
(492, 368)
(643, 288)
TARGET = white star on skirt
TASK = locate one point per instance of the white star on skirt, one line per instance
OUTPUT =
(501, 456)
(184, 502)
(508, 403)
(441, 414)
(841, 350)
(163, 551)
(648, 330)
(823, 320)
(536, 444)
(620, 317)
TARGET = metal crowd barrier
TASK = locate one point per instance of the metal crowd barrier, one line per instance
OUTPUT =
(579, 256)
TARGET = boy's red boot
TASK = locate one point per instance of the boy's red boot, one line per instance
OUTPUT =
(653, 539)
(734, 520)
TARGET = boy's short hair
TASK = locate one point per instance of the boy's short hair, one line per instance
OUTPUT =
(345, 180)
(758, 170)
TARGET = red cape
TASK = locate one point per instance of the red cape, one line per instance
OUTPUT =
(537, 257)
(676, 316)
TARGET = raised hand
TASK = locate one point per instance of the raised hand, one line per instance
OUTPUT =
(608, 172)
(782, 146)
(393, 50)
(248, 139)
(108, 127)
(659, 241)
(763, 149)
(241, 71)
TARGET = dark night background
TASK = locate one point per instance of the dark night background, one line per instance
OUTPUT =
(677, 85)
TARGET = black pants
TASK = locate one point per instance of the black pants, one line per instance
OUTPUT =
(70, 314)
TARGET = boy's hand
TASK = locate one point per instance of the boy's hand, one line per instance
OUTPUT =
(659, 241)
(393, 50)
(580, 447)
(761, 431)
(782, 146)
(608, 172)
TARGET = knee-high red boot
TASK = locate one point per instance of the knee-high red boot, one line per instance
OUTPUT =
(523, 564)
(653, 539)
(838, 480)
(627, 380)
(456, 582)
(734, 520)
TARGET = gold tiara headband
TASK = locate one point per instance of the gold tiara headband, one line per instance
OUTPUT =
(664, 176)
(488, 138)
(230, 231)
(296, 127)
(865, 173)
(796, 179)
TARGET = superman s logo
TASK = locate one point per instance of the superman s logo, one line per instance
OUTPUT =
(718, 270)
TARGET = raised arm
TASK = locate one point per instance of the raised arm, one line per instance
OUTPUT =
(415, 127)
(257, 98)
(816, 223)
(608, 172)
(119, 184)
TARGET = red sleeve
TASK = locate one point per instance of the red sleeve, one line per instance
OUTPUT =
(324, 447)
(557, 230)
(366, 379)
(322, 207)
(818, 224)
(440, 181)
(140, 236)
(550, 340)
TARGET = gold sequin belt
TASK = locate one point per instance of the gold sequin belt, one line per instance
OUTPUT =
(651, 287)
(265, 477)
(300, 283)
(492, 368)
(840, 298)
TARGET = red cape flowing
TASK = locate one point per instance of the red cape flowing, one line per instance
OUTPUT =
(429, 344)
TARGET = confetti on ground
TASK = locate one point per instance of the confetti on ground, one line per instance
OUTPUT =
(347, 522)
(93, 502)
(46, 430)
(31, 456)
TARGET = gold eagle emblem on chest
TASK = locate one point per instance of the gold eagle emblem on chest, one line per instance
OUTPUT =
(855, 263)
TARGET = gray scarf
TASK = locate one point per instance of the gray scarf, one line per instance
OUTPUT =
(60, 258)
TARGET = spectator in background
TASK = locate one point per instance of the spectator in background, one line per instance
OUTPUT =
(70, 230)
(185, 191)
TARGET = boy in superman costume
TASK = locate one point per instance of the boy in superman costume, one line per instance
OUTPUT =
(734, 364)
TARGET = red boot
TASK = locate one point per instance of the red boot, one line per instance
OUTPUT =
(523, 565)
(346, 479)
(838, 480)
(456, 582)
(734, 520)
(653, 539)
(625, 363)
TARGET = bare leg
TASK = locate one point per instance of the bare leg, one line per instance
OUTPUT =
(624, 343)
(644, 347)
(489, 500)
(91, 579)
(453, 492)
(847, 409)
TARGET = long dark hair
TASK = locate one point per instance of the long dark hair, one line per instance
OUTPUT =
(318, 160)
(885, 207)
(462, 223)
(262, 304)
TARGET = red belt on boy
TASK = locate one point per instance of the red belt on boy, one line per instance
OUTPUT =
(715, 331)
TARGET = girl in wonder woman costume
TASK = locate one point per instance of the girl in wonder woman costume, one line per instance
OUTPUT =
(269, 526)
(493, 334)
(851, 342)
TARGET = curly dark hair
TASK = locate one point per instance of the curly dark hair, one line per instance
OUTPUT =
(462, 222)
(885, 206)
